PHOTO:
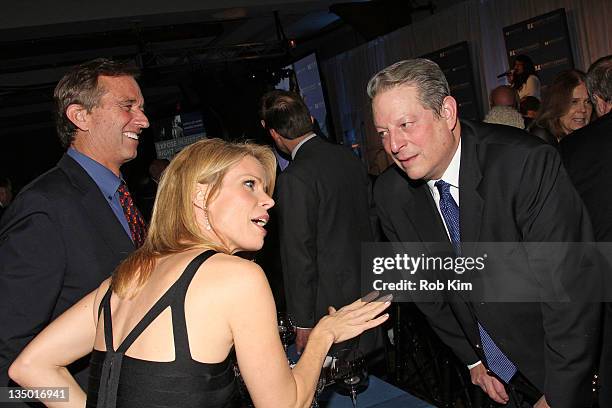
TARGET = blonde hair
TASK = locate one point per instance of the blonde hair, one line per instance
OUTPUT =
(173, 225)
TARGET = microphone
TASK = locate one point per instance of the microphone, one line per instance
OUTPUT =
(503, 74)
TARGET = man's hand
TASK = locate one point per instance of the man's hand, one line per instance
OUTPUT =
(301, 338)
(489, 384)
(541, 403)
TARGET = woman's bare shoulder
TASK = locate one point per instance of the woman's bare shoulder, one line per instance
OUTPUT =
(230, 265)
(230, 272)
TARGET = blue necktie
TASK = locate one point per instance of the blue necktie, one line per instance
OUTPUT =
(496, 359)
(450, 213)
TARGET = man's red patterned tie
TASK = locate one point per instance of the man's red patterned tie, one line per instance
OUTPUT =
(137, 225)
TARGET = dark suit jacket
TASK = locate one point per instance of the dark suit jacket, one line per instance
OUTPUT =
(543, 134)
(587, 155)
(323, 200)
(512, 188)
(59, 240)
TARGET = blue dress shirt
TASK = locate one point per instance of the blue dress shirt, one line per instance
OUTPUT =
(107, 182)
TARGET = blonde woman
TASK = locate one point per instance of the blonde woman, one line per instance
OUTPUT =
(163, 327)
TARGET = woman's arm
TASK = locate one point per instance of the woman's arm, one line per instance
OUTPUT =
(531, 87)
(69, 337)
(263, 363)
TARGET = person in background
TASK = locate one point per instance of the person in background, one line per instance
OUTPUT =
(523, 77)
(323, 207)
(504, 104)
(67, 230)
(6, 193)
(530, 106)
(565, 108)
(587, 154)
(163, 328)
(504, 95)
(505, 115)
(145, 195)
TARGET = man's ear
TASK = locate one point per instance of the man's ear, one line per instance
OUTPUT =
(78, 115)
(449, 111)
(263, 123)
(275, 135)
(312, 119)
(600, 105)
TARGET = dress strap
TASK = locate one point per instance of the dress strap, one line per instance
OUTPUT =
(111, 367)
(179, 327)
(148, 318)
(179, 324)
(108, 323)
(107, 394)
(166, 300)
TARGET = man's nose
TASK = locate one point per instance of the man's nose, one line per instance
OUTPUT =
(141, 120)
(396, 140)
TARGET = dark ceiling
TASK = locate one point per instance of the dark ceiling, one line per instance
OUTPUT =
(214, 56)
(164, 45)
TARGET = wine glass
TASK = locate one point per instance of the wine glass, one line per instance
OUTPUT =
(349, 371)
(322, 382)
(286, 329)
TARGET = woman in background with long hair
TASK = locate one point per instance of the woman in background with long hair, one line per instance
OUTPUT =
(566, 107)
(523, 77)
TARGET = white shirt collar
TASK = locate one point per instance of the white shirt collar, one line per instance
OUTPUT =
(307, 138)
(451, 174)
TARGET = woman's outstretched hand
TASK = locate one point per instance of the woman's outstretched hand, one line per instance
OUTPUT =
(353, 319)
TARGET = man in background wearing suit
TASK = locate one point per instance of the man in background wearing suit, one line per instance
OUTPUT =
(68, 229)
(587, 155)
(323, 205)
(465, 182)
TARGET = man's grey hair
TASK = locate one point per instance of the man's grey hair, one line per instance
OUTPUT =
(599, 78)
(423, 74)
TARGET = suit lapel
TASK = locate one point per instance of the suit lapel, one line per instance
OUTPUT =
(425, 216)
(417, 206)
(103, 218)
(471, 202)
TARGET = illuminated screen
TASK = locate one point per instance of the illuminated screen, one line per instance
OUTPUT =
(310, 87)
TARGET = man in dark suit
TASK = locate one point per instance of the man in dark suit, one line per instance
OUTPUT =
(323, 204)
(587, 155)
(464, 182)
(68, 229)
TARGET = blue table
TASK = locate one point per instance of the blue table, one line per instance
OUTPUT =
(379, 394)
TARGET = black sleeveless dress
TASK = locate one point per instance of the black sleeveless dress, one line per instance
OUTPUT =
(116, 380)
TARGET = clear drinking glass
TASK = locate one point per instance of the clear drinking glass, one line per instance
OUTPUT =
(286, 329)
(349, 371)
